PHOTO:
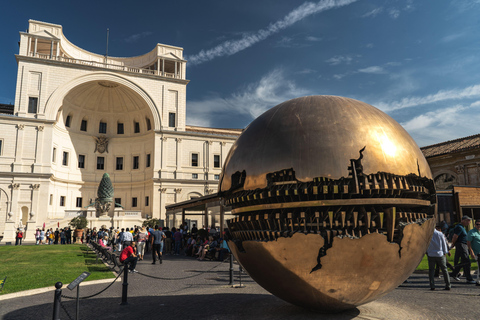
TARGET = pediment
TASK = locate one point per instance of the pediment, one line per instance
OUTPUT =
(171, 56)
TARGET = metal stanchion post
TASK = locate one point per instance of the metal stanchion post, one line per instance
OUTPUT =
(240, 275)
(231, 270)
(125, 285)
(57, 300)
(78, 303)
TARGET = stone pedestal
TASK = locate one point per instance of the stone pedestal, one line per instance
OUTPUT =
(29, 232)
(9, 233)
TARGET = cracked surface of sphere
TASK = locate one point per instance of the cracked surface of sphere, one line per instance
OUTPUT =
(334, 202)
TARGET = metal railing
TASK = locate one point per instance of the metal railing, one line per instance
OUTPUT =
(105, 65)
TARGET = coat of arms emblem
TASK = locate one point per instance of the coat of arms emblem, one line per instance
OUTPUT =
(101, 144)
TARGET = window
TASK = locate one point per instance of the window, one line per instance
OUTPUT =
(102, 128)
(62, 201)
(137, 126)
(67, 121)
(32, 104)
(135, 162)
(83, 125)
(1, 145)
(194, 159)
(118, 202)
(171, 119)
(147, 201)
(51, 199)
(216, 161)
(194, 175)
(65, 158)
(147, 162)
(119, 163)
(216, 177)
(149, 124)
(54, 155)
(134, 202)
(79, 202)
(100, 163)
(120, 128)
(81, 161)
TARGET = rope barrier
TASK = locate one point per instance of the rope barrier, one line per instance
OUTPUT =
(64, 309)
(96, 294)
(187, 277)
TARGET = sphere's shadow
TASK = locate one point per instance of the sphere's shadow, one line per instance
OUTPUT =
(208, 306)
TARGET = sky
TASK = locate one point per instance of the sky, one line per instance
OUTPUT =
(418, 61)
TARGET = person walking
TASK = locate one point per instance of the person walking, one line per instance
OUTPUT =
(436, 252)
(157, 237)
(473, 243)
(459, 240)
(141, 240)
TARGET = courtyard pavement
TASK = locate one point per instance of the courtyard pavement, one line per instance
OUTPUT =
(204, 293)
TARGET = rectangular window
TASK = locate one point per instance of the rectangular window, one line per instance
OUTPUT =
(137, 126)
(1, 145)
(51, 199)
(120, 128)
(194, 175)
(79, 202)
(149, 124)
(62, 201)
(119, 163)
(65, 158)
(54, 155)
(216, 177)
(216, 161)
(147, 162)
(81, 161)
(194, 159)
(102, 128)
(147, 201)
(32, 104)
(83, 125)
(100, 163)
(118, 202)
(135, 162)
(171, 119)
(67, 121)
(134, 202)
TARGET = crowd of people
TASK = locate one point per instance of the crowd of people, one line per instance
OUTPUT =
(466, 245)
(134, 243)
(48, 236)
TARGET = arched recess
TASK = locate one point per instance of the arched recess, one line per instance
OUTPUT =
(193, 195)
(4, 209)
(55, 100)
(445, 178)
(24, 215)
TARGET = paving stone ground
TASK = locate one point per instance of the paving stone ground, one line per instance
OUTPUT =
(208, 296)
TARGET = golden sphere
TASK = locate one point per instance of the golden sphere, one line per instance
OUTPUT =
(334, 202)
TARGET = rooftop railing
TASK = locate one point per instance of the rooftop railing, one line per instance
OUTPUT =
(105, 65)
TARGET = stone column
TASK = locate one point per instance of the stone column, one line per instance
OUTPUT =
(178, 174)
(163, 200)
(163, 159)
(35, 197)
(37, 166)
(19, 147)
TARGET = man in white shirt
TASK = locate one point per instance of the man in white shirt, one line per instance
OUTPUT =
(436, 255)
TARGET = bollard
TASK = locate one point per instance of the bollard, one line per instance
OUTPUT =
(231, 270)
(57, 300)
(125, 285)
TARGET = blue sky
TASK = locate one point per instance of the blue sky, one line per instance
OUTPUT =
(418, 61)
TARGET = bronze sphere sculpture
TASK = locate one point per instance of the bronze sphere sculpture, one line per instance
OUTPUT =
(334, 202)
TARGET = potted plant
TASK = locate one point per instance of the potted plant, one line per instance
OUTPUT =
(79, 223)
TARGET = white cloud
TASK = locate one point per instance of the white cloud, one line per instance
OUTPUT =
(336, 60)
(313, 39)
(373, 69)
(252, 101)
(138, 36)
(373, 13)
(442, 95)
(443, 124)
(452, 37)
(394, 13)
(231, 47)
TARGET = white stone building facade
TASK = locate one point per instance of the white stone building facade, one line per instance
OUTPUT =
(78, 115)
